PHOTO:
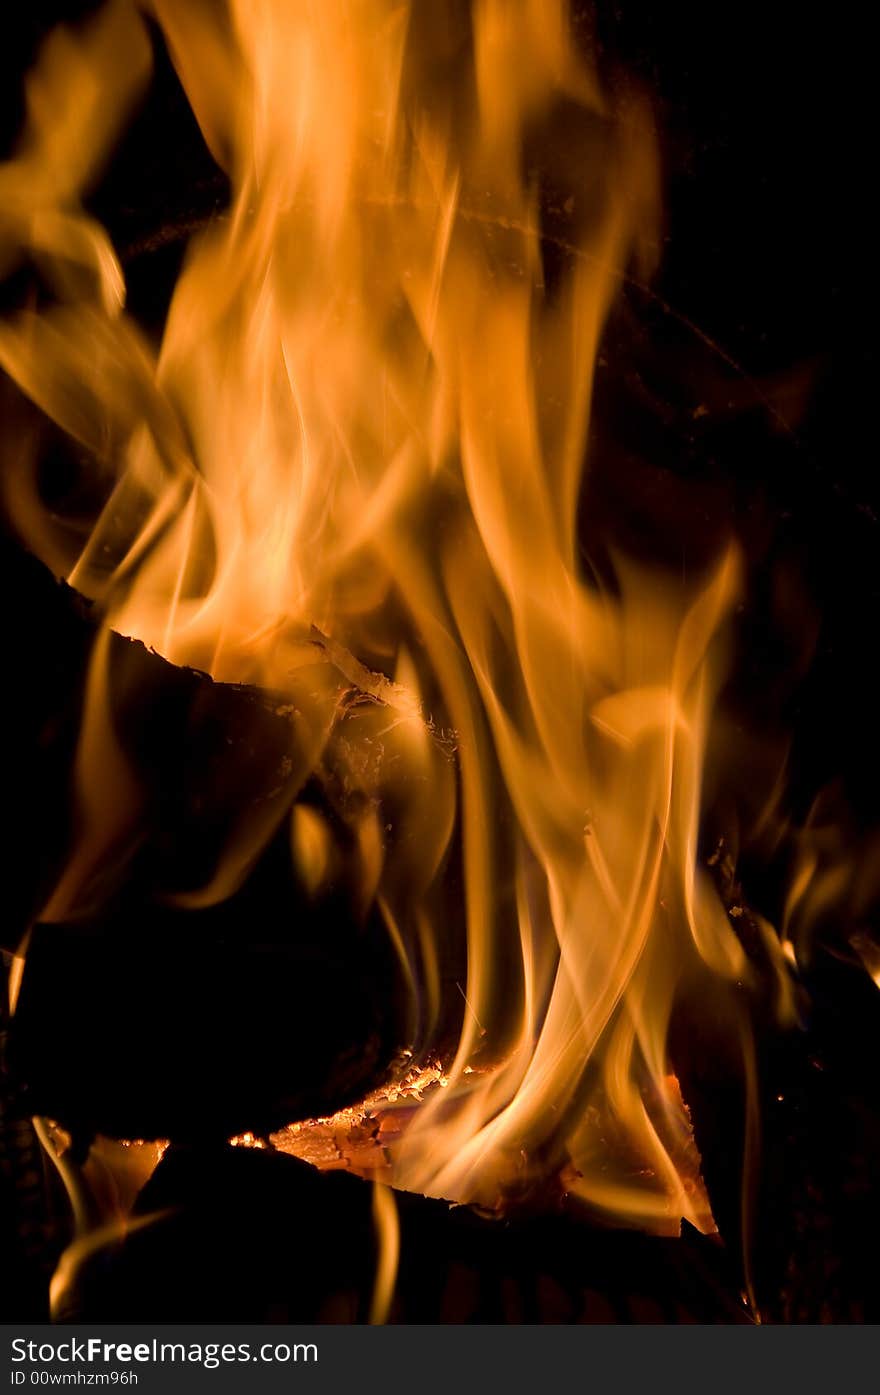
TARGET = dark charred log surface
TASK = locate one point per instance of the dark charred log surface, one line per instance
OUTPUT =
(138, 1019)
(157, 1024)
(29, 1238)
(197, 754)
(145, 1021)
(262, 1237)
(47, 641)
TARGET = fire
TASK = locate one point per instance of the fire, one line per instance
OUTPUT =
(388, 1239)
(351, 474)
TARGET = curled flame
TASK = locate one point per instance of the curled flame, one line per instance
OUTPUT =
(354, 466)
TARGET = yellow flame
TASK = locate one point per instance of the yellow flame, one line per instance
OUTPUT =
(352, 473)
(387, 1224)
(16, 971)
(100, 1213)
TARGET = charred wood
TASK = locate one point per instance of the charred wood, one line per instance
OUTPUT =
(257, 1236)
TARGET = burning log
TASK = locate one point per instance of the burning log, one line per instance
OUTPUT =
(196, 751)
(256, 1236)
(158, 1024)
(141, 1017)
(47, 646)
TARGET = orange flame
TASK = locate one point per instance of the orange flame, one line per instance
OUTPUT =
(355, 463)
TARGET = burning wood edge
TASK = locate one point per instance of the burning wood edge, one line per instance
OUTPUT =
(218, 1225)
(252, 728)
(381, 689)
(361, 1138)
(355, 1138)
(46, 713)
(365, 1140)
(559, 1266)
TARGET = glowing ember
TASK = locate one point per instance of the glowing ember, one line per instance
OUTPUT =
(364, 1139)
